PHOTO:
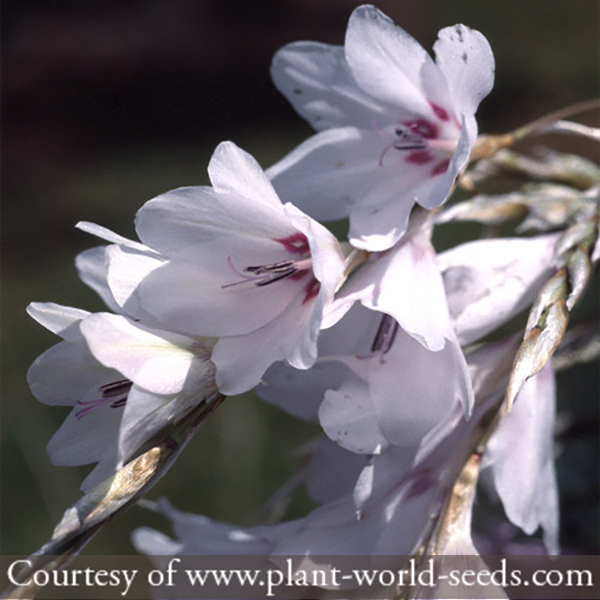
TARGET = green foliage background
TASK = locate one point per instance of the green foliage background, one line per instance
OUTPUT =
(108, 104)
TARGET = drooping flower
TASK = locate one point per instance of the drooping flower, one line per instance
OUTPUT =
(125, 382)
(395, 127)
(396, 497)
(404, 368)
(232, 262)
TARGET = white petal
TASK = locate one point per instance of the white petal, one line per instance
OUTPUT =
(434, 191)
(233, 171)
(203, 536)
(86, 439)
(151, 542)
(186, 217)
(109, 236)
(356, 172)
(349, 418)
(158, 364)
(330, 172)
(400, 397)
(521, 456)
(300, 392)
(67, 373)
(316, 79)
(326, 254)
(466, 59)
(406, 283)
(211, 297)
(93, 271)
(490, 281)
(56, 318)
(145, 414)
(387, 62)
(242, 360)
(126, 269)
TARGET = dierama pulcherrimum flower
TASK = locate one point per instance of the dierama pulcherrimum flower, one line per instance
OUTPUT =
(125, 382)
(395, 127)
(235, 263)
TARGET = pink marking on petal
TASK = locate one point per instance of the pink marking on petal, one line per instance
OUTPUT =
(298, 275)
(440, 113)
(420, 484)
(422, 127)
(297, 243)
(440, 168)
(419, 157)
(311, 290)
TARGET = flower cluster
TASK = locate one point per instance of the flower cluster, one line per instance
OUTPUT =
(381, 340)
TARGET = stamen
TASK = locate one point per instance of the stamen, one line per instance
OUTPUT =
(116, 388)
(113, 394)
(385, 336)
(262, 275)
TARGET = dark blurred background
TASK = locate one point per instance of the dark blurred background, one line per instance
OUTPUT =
(108, 103)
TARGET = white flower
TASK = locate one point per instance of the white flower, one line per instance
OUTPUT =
(395, 127)
(404, 366)
(233, 263)
(125, 382)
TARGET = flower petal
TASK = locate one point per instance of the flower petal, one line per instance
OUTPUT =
(93, 271)
(521, 456)
(90, 439)
(490, 281)
(57, 318)
(406, 283)
(387, 62)
(316, 80)
(126, 269)
(68, 373)
(466, 59)
(157, 361)
(235, 172)
(210, 297)
(349, 418)
(242, 360)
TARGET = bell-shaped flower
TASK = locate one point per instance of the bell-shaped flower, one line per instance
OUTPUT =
(125, 382)
(237, 264)
(395, 126)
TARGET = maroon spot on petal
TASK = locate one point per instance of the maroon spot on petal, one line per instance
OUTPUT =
(423, 128)
(298, 275)
(419, 157)
(440, 113)
(297, 243)
(440, 168)
(420, 484)
(311, 290)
